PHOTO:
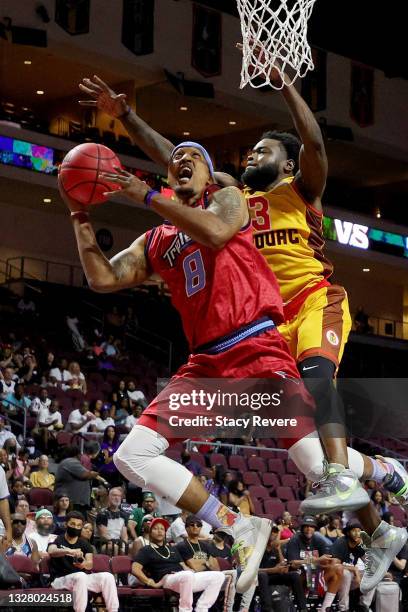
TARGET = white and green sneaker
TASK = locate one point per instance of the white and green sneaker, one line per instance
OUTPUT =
(339, 489)
(381, 549)
(396, 482)
(251, 536)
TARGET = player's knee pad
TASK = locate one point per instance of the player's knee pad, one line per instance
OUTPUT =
(140, 459)
(318, 373)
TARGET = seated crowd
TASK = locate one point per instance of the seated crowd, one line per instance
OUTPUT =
(68, 503)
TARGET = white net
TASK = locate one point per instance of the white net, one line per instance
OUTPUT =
(274, 34)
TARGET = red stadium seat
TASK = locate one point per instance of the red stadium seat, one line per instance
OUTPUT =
(285, 493)
(122, 564)
(276, 466)
(258, 491)
(64, 438)
(291, 467)
(258, 506)
(257, 464)
(293, 507)
(274, 507)
(251, 478)
(270, 480)
(101, 563)
(237, 462)
(218, 458)
(40, 497)
(23, 564)
(290, 480)
(398, 513)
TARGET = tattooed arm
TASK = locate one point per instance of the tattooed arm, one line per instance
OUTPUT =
(212, 227)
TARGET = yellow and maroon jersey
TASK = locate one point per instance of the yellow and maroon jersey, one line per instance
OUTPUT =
(288, 232)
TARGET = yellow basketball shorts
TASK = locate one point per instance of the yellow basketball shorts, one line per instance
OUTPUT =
(321, 326)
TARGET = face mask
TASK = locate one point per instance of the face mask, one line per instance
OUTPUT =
(73, 532)
(44, 529)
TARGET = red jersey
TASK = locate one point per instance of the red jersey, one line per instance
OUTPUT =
(214, 291)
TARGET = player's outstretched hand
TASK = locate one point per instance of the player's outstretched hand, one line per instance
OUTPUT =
(131, 186)
(103, 97)
(73, 205)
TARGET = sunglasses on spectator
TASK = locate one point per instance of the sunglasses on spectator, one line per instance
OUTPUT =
(17, 521)
(195, 525)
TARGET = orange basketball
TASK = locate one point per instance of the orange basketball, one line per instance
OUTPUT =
(80, 169)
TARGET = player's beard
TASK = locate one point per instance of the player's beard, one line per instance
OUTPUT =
(184, 192)
(260, 178)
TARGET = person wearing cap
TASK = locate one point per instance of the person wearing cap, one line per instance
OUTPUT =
(204, 251)
(43, 534)
(349, 551)
(71, 561)
(149, 505)
(42, 477)
(5, 509)
(20, 542)
(160, 565)
(309, 550)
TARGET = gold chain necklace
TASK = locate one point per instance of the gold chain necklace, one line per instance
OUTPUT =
(160, 555)
(191, 546)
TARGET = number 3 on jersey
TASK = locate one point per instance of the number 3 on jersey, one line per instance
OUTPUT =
(194, 273)
(259, 210)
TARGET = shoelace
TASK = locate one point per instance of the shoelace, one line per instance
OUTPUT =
(368, 560)
(323, 479)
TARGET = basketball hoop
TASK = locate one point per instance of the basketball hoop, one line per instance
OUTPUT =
(274, 35)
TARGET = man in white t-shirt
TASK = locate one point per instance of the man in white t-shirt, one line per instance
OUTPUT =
(44, 522)
(5, 434)
(133, 418)
(60, 376)
(8, 381)
(135, 395)
(5, 510)
(40, 402)
(80, 418)
(50, 417)
(102, 422)
(177, 530)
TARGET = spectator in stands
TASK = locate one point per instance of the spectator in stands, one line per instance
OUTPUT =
(121, 412)
(16, 402)
(220, 545)
(5, 434)
(7, 381)
(60, 376)
(87, 534)
(48, 364)
(100, 497)
(70, 557)
(21, 544)
(196, 553)
(26, 307)
(349, 551)
(189, 463)
(33, 453)
(133, 418)
(216, 484)
(40, 401)
(18, 492)
(149, 506)
(177, 530)
(74, 480)
(29, 371)
(119, 393)
(80, 418)
(109, 347)
(5, 464)
(239, 498)
(5, 510)
(135, 395)
(76, 377)
(6, 356)
(307, 547)
(285, 526)
(20, 465)
(62, 506)
(92, 448)
(109, 446)
(42, 477)
(274, 570)
(332, 530)
(105, 420)
(49, 423)
(166, 568)
(11, 446)
(22, 507)
(114, 321)
(111, 524)
(389, 518)
(143, 539)
(43, 535)
(379, 502)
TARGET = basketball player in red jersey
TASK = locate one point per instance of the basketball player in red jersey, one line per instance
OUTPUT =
(205, 254)
(273, 161)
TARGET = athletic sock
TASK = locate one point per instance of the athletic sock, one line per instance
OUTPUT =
(380, 470)
(327, 601)
(216, 514)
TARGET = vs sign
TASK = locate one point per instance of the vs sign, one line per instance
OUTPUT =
(352, 234)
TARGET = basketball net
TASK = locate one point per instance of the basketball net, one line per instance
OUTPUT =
(274, 34)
